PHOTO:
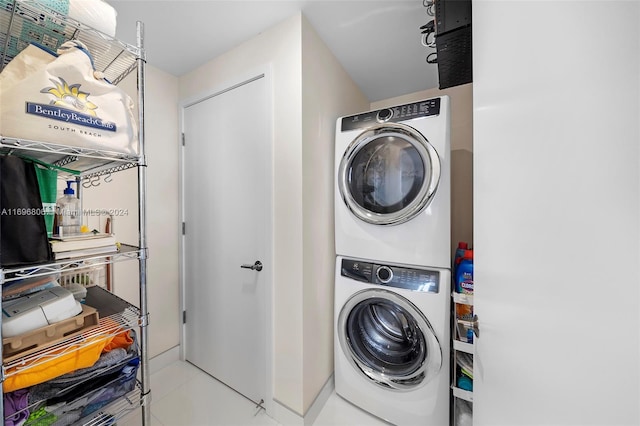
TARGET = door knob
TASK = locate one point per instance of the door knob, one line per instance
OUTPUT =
(255, 267)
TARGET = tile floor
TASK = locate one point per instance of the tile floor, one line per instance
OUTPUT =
(183, 395)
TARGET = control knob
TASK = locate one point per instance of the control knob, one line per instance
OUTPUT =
(384, 274)
(384, 115)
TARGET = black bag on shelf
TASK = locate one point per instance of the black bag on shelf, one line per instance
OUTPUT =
(22, 225)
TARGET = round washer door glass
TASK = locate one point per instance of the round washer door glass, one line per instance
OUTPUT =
(388, 340)
(388, 174)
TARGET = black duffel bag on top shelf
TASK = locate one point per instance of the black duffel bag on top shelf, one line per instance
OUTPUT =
(22, 224)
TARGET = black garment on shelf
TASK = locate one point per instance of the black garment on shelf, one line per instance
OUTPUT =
(22, 226)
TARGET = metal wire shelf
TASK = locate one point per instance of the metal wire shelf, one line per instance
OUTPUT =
(108, 326)
(118, 409)
(85, 161)
(106, 415)
(115, 60)
(115, 410)
(126, 252)
(51, 28)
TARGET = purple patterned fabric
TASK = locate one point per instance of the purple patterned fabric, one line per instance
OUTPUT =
(15, 404)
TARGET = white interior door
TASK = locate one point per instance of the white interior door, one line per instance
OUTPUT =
(557, 345)
(227, 212)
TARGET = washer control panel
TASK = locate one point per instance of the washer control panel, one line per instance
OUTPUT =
(392, 115)
(392, 276)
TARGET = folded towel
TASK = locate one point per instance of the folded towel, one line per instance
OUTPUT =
(94, 13)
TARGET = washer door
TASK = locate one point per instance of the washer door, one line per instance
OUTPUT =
(388, 174)
(389, 340)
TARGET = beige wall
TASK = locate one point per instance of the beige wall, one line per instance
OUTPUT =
(162, 211)
(461, 154)
(327, 93)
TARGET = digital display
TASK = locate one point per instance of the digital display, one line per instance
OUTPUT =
(406, 278)
(425, 108)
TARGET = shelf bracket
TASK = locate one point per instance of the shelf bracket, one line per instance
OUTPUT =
(145, 399)
(143, 321)
(144, 253)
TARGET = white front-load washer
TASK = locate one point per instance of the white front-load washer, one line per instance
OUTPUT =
(392, 184)
(391, 344)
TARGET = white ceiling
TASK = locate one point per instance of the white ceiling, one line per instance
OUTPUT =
(377, 42)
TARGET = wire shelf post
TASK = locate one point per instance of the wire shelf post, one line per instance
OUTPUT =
(142, 216)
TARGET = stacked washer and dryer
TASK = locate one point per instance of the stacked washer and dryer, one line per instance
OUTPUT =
(393, 245)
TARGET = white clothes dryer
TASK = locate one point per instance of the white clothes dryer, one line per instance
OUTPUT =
(392, 184)
(391, 344)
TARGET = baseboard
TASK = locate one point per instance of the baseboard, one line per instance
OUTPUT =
(312, 413)
(164, 359)
(284, 415)
(287, 417)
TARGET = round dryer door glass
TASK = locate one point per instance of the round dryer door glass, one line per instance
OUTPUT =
(389, 340)
(388, 174)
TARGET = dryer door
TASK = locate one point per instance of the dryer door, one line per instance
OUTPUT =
(388, 340)
(388, 174)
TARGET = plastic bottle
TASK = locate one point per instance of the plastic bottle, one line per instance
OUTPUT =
(68, 218)
(470, 333)
(462, 247)
(464, 285)
(465, 383)
(464, 274)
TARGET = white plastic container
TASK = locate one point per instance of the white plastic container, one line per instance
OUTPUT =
(78, 290)
(68, 217)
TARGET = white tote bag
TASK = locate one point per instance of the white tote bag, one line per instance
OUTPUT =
(63, 100)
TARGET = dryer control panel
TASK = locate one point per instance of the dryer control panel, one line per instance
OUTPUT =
(425, 280)
(392, 115)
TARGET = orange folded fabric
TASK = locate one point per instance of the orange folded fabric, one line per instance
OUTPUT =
(122, 340)
(65, 361)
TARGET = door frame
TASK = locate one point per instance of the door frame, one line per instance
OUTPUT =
(265, 73)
